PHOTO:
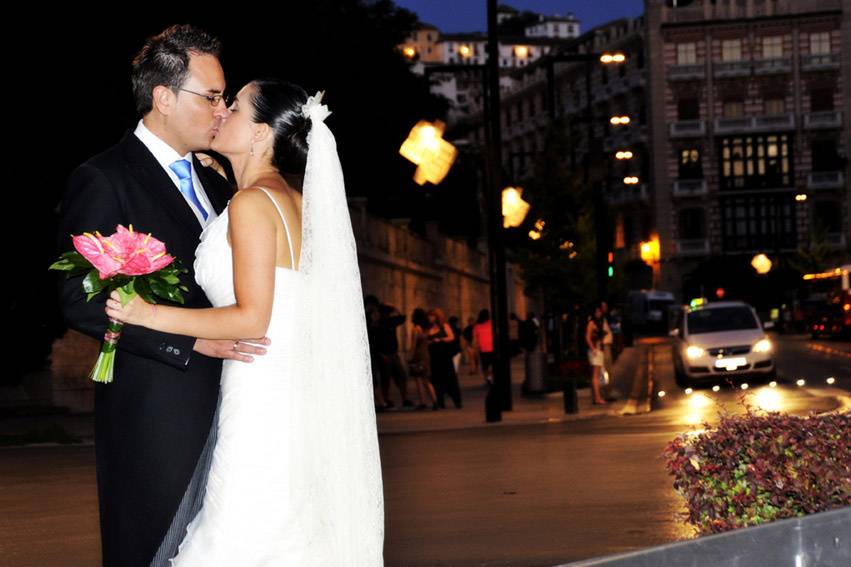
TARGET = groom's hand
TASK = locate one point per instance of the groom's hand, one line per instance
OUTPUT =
(236, 350)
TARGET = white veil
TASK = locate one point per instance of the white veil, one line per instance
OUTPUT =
(345, 491)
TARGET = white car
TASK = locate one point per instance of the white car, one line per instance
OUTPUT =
(721, 340)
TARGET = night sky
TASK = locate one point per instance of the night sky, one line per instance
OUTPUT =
(470, 15)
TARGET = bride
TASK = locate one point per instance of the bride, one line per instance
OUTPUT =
(295, 477)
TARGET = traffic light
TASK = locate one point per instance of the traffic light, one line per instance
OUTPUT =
(611, 265)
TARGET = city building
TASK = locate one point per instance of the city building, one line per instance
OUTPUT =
(749, 101)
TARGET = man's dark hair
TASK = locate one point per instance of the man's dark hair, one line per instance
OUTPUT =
(164, 60)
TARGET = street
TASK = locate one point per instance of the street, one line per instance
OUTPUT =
(530, 494)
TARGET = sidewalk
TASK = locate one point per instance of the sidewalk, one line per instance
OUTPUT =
(548, 408)
(53, 425)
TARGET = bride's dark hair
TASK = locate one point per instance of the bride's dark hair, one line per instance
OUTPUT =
(278, 104)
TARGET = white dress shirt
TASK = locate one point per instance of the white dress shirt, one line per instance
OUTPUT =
(166, 155)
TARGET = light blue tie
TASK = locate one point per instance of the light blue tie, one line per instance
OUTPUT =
(183, 169)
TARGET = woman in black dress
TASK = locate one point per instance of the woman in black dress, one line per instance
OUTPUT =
(441, 350)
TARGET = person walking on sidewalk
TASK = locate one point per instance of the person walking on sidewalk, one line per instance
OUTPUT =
(455, 323)
(419, 363)
(371, 305)
(594, 341)
(608, 340)
(471, 357)
(441, 350)
(390, 362)
(483, 342)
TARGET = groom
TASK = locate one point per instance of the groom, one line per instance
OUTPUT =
(153, 421)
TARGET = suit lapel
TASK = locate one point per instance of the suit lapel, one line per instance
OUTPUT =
(151, 177)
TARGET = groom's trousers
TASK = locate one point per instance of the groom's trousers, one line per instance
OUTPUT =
(192, 499)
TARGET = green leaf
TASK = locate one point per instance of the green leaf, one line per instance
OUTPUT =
(92, 282)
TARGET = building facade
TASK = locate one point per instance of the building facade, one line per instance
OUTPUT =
(749, 103)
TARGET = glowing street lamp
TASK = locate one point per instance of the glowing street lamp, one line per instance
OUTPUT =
(650, 252)
(623, 154)
(514, 208)
(619, 120)
(409, 52)
(465, 51)
(630, 180)
(607, 58)
(432, 154)
(521, 51)
(801, 197)
(761, 264)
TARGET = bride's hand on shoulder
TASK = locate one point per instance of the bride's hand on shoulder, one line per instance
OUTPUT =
(136, 312)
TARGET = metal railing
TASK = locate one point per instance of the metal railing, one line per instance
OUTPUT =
(818, 540)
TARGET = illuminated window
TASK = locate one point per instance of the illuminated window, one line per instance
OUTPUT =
(731, 50)
(686, 53)
(820, 43)
(775, 106)
(772, 47)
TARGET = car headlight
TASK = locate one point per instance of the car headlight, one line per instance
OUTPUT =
(694, 351)
(762, 345)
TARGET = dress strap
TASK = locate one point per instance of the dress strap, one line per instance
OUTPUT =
(286, 226)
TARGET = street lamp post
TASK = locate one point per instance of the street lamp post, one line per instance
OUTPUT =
(499, 395)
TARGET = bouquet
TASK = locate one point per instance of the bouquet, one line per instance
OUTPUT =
(131, 262)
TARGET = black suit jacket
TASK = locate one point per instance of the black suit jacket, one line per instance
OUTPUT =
(152, 421)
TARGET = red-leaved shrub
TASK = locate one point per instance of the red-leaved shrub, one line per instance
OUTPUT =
(756, 468)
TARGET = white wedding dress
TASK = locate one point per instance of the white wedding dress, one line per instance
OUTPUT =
(254, 510)
(295, 474)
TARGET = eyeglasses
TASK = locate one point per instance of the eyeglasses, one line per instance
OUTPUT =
(214, 100)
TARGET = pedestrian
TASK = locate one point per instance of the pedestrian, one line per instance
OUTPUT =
(471, 357)
(608, 340)
(387, 343)
(371, 305)
(419, 363)
(454, 322)
(483, 341)
(594, 341)
(440, 348)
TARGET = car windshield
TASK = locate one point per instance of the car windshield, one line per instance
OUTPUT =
(721, 319)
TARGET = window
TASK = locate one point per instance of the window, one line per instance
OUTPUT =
(686, 53)
(820, 43)
(756, 162)
(428, 36)
(824, 155)
(688, 109)
(692, 224)
(821, 100)
(690, 166)
(827, 217)
(775, 106)
(731, 50)
(734, 109)
(772, 47)
(758, 222)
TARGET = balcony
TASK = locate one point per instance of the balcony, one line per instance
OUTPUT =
(733, 125)
(686, 72)
(820, 62)
(823, 119)
(773, 122)
(725, 69)
(687, 129)
(625, 195)
(773, 66)
(689, 187)
(835, 240)
(825, 180)
(693, 247)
